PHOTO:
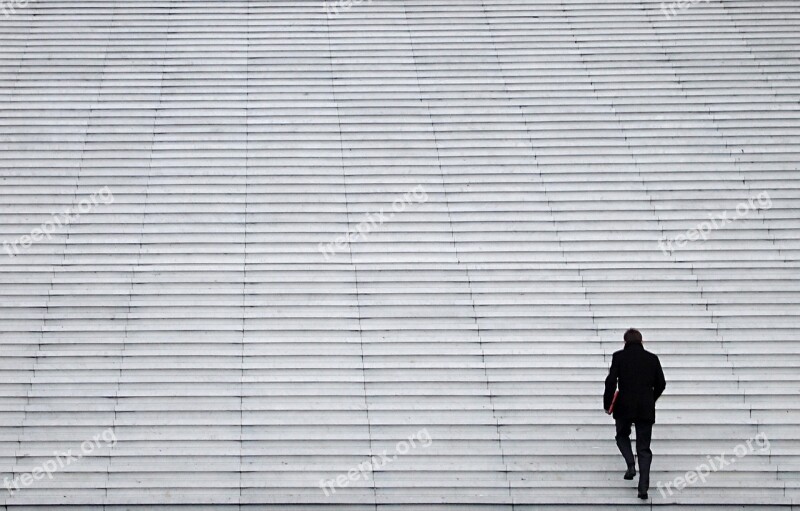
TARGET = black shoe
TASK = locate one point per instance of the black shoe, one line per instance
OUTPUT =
(631, 473)
(643, 495)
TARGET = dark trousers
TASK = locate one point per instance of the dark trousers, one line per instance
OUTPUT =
(644, 430)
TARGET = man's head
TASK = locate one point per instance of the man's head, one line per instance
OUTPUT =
(633, 336)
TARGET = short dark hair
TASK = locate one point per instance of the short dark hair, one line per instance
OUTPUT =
(633, 336)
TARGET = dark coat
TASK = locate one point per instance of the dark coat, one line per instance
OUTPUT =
(641, 382)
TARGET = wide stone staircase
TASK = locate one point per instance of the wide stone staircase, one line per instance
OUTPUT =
(301, 236)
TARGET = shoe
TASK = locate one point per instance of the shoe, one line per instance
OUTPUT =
(643, 495)
(631, 473)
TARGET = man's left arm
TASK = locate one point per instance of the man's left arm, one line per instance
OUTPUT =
(611, 383)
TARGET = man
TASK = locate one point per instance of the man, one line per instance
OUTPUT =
(641, 382)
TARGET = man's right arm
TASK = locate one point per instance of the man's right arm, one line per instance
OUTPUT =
(660, 382)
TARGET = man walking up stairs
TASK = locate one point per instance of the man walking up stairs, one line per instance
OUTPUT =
(640, 379)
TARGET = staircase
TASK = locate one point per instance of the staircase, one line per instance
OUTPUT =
(520, 181)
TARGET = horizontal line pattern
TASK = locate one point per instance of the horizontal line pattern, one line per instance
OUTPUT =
(551, 145)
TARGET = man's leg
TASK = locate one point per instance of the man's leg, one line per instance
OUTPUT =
(644, 431)
(624, 441)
